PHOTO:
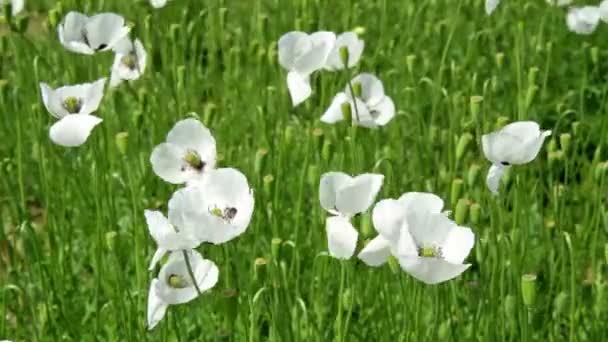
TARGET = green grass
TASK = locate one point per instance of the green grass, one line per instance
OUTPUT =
(74, 247)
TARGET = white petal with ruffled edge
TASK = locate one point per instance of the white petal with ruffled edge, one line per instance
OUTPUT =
(359, 194)
(376, 252)
(491, 6)
(73, 130)
(157, 308)
(341, 237)
(495, 174)
(299, 87)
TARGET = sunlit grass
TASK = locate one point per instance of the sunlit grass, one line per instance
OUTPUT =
(74, 248)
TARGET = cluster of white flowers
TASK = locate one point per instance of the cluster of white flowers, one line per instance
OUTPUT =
(74, 105)
(302, 54)
(215, 207)
(413, 229)
(580, 19)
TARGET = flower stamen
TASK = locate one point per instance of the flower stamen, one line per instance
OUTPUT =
(430, 252)
(194, 160)
(72, 104)
(177, 281)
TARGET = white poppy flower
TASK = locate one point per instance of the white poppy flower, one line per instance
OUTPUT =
(389, 218)
(515, 144)
(345, 196)
(353, 44)
(158, 3)
(188, 153)
(603, 10)
(168, 236)
(16, 6)
(129, 62)
(583, 20)
(371, 108)
(491, 6)
(87, 35)
(216, 210)
(433, 247)
(72, 105)
(175, 285)
(302, 54)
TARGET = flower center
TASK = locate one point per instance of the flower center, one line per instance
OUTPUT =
(429, 252)
(228, 214)
(177, 281)
(130, 61)
(194, 160)
(72, 104)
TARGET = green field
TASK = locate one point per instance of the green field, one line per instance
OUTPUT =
(75, 247)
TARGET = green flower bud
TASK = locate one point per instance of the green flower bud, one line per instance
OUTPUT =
(313, 174)
(565, 140)
(499, 58)
(181, 76)
(260, 267)
(576, 128)
(475, 213)
(275, 248)
(258, 163)
(474, 105)
(409, 61)
(359, 30)
(462, 208)
(456, 190)
(288, 135)
(268, 180)
(122, 140)
(528, 289)
(473, 174)
(595, 55)
(230, 299)
(463, 143)
(366, 225)
(54, 18)
(555, 157)
(560, 304)
(344, 55)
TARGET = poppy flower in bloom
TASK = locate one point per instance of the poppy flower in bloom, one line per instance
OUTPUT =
(16, 5)
(353, 45)
(583, 20)
(216, 210)
(188, 153)
(129, 62)
(428, 245)
(175, 285)
(82, 34)
(301, 54)
(168, 237)
(370, 107)
(344, 196)
(158, 3)
(73, 106)
(515, 144)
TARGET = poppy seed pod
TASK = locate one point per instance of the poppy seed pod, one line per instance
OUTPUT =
(268, 179)
(475, 213)
(463, 143)
(258, 162)
(260, 268)
(528, 289)
(275, 248)
(122, 140)
(456, 190)
(409, 61)
(461, 211)
(565, 141)
(474, 105)
(499, 58)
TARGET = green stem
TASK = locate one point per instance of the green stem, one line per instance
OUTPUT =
(189, 267)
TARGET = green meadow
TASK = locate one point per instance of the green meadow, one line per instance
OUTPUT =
(75, 247)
